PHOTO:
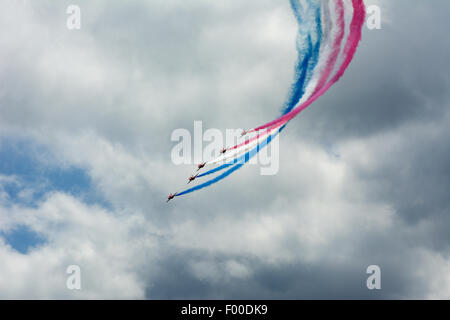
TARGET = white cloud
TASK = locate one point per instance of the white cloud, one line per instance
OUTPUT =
(102, 243)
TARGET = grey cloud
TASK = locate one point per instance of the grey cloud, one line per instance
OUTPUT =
(308, 232)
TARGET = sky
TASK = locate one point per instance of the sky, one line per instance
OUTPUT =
(86, 118)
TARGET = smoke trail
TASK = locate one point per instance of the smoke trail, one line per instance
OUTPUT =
(239, 163)
(243, 147)
(248, 141)
(235, 156)
(306, 75)
(336, 46)
(349, 51)
(305, 67)
(304, 71)
(307, 61)
(220, 168)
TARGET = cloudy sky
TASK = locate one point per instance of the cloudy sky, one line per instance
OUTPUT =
(86, 118)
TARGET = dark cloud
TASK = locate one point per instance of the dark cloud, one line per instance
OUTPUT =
(397, 84)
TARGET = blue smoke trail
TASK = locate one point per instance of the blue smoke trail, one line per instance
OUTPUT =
(307, 61)
(240, 162)
(220, 168)
(297, 89)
